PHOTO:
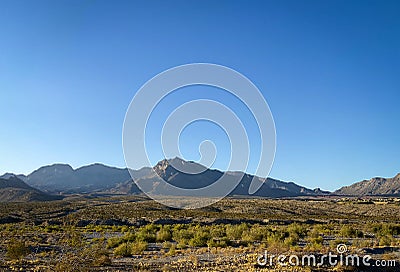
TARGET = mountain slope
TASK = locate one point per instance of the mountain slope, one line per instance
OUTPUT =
(14, 189)
(63, 178)
(374, 186)
(9, 175)
(165, 169)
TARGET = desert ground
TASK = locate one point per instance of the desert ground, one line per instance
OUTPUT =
(120, 233)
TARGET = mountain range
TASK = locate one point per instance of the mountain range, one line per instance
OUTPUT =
(13, 189)
(165, 170)
(374, 186)
(62, 179)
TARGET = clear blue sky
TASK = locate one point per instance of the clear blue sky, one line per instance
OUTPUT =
(328, 69)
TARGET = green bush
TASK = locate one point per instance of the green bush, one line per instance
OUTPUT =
(17, 250)
(385, 240)
(139, 247)
(297, 230)
(221, 242)
(317, 240)
(123, 250)
(182, 234)
(182, 244)
(383, 229)
(350, 232)
(129, 249)
(200, 239)
(292, 240)
(98, 255)
(218, 231)
(74, 239)
(129, 237)
(235, 232)
(102, 260)
(146, 236)
(172, 250)
(163, 235)
(113, 242)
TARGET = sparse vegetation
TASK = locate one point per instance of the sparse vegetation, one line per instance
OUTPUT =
(16, 249)
(232, 233)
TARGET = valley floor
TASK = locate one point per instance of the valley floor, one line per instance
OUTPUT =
(137, 234)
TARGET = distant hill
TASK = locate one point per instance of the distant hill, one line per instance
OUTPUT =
(13, 189)
(165, 169)
(86, 179)
(8, 175)
(99, 178)
(375, 186)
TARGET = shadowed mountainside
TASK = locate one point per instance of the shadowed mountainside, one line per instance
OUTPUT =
(270, 188)
(374, 186)
(13, 189)
(99, 178)
(95, 178)
(63, 178)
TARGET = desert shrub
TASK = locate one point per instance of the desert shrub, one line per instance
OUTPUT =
(325, 229)
(167, 245)
(98, 255)
(138, 247)
(257, 233)
(317, 240)
(383, 229)
(182, 244)
(394, 229)
(129, 237)
(17, 250)
(71, 263)
(100, 228)
(172, 250)
(102, 260)
(123, 250)
(348, 231)
(234, 232)
(278, 235)
(200, 239)
(52, 228)
(124, 229)
(163, 235)
(315, 243)
(363, 243)
(113, 242)
(73, 239)
(151, 228)
(178, 227)
(292, 240)
(182, 234)
(252, 235)
(129, 249)
(218, 231)
(220, 242)
(146, 235)
(294, 232)
(314, 233)
(297, 230)
(275, 242)
(385, 240)
(116, 228)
